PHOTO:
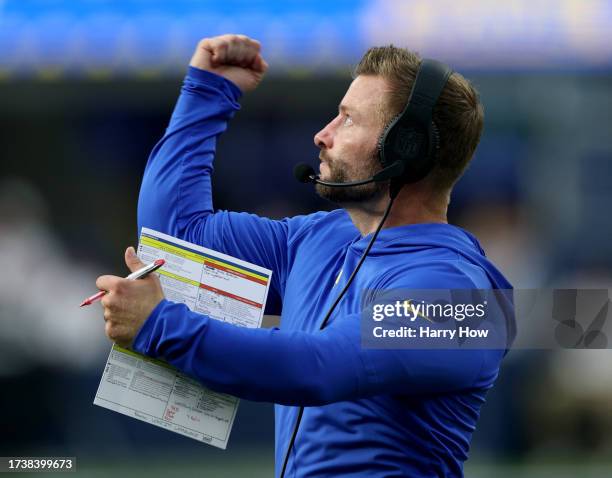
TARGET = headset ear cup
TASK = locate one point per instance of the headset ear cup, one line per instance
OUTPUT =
(383, 155)
(435, 141)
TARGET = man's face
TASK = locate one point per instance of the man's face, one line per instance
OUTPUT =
(349, 142)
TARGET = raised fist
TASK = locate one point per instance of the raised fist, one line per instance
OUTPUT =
(235, 57)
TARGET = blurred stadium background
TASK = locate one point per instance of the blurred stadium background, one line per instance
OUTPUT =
(86, 89)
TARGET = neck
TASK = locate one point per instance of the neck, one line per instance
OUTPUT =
(414, 204)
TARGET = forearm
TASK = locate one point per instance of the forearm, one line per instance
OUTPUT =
(299, 368)
(176, 187)
(257, 364)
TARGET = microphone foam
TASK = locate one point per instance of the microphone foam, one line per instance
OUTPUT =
(302, 172)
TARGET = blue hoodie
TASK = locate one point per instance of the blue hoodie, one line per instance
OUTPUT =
(368, 412)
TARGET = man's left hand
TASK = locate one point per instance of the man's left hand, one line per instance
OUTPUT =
(128, 303)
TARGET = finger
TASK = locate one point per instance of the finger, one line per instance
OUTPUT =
(112, 331)
(240, 50)
(108, 315)
(259, 64)
(249, 52)
(218, 49)
(255, 44)
(107, 283)
(108, 329)
(131, 260)
(234, 52)
(118, 334)
(109, 302)
(249, 43)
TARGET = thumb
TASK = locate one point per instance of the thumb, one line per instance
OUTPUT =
(131, 259)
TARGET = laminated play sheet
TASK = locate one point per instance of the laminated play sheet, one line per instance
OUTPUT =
(210, 283)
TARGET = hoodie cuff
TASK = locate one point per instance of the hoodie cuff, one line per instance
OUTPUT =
(219, 82)
(146, 335)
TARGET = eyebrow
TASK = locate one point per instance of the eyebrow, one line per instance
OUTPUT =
(343, 107)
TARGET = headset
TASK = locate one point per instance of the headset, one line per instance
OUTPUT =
(408, 150)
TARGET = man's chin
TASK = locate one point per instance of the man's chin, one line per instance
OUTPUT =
(325, 177)
(351, 195)
(324, 191)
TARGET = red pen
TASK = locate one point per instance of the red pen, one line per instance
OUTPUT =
(139, 274)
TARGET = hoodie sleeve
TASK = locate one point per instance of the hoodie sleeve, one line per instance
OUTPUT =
(176, 191)
(308, 369)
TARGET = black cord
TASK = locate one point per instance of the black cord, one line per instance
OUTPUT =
(394, 191)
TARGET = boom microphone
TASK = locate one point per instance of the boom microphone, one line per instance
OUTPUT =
(306, 174)
(303, 173)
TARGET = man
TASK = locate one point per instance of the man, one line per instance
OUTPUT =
(368, 412)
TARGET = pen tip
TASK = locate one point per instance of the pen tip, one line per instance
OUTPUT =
(84, 303)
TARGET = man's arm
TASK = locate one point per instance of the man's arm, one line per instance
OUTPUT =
(176, 192)
(309, 369)
(304, 369)
(298, 368)
(176, 189)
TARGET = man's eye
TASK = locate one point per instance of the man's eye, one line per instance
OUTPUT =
(348, 120)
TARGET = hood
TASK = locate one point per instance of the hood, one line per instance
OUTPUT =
(424, 236)
(439, 236)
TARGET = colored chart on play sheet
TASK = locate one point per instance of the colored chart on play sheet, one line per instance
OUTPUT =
(208, 282)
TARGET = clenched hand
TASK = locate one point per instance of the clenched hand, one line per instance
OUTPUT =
(235, 57)
(128, 303)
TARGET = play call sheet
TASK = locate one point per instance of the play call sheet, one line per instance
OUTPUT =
(210, 283)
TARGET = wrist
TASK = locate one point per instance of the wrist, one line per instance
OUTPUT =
(142, 339)
(207, 77)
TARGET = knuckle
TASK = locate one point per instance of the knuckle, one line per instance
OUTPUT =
(108, 300)
(114, 333)
(119, 287)
(111, 304)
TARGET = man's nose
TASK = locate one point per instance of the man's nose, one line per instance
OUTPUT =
(324, 138)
